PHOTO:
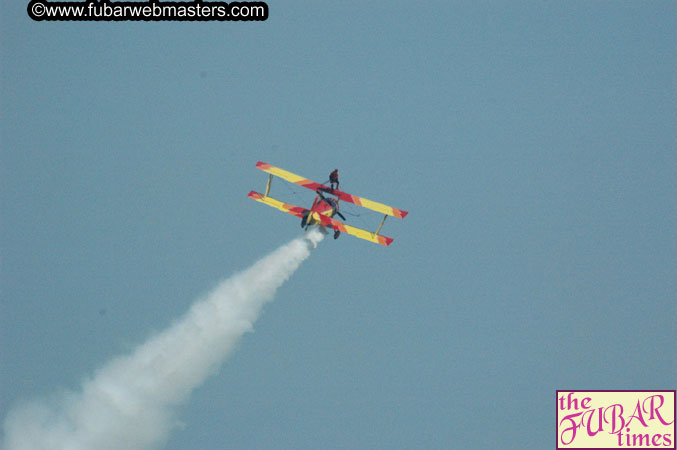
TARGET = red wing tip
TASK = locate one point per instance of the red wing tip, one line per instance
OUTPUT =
(255, 195)
(262, 164)
(403, 214)
(384, 240)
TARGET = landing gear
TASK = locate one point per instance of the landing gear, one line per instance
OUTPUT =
(337, 233)
(304, 220)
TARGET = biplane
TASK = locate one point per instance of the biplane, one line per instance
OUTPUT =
(325, 206)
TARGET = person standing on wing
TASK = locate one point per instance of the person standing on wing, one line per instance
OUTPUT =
(333, 179)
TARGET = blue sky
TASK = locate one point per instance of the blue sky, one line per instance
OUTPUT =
(533, 144)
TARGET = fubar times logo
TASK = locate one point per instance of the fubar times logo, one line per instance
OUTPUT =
(615, 419)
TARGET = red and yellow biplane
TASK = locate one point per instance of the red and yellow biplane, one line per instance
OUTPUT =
(324, 208)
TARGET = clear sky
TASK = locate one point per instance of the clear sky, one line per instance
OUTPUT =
(534, 145)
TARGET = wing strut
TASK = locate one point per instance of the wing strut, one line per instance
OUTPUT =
(270, 179)
(385, 216)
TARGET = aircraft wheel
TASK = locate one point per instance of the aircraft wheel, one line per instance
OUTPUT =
(337, 233)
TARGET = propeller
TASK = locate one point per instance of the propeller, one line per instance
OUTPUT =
(324, 199)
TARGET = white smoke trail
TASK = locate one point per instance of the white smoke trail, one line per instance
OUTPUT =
(129, 402)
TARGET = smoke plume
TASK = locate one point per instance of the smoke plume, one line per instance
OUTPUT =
(129, 402)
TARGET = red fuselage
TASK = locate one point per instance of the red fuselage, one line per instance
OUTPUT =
(326, 207)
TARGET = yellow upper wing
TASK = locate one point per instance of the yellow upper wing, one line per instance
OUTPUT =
(360, 201)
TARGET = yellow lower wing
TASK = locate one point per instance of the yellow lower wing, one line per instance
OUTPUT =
(286, 207)
(322, 219)
(357, 232)
(367, 235)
